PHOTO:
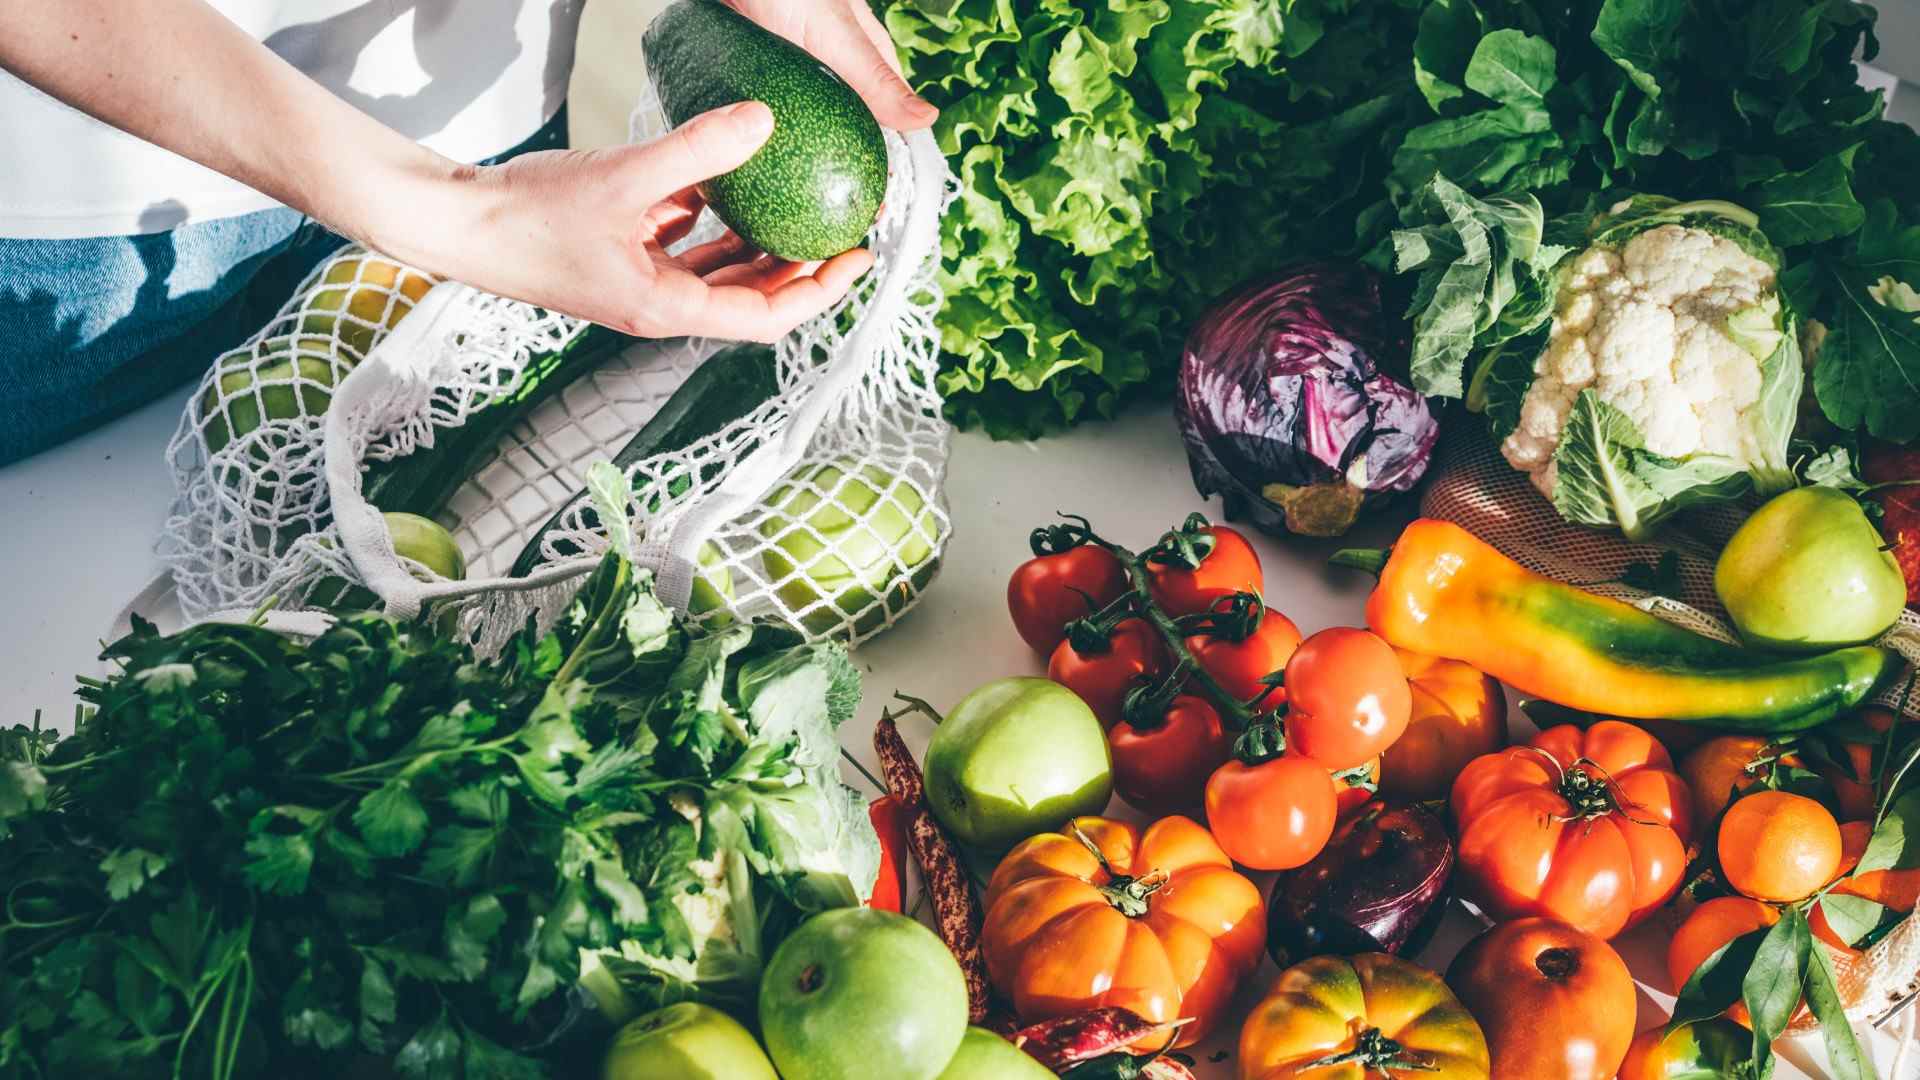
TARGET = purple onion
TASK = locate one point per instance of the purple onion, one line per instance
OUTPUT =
(1287, 405)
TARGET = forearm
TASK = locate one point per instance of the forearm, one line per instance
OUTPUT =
(183, 77)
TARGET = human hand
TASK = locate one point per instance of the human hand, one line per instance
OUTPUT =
(586, 233)
(844, 35)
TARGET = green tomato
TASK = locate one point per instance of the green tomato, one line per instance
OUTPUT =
(686, 1041)
(1809, 572)
(843, 551)
(856, 993)
(986, 1056)
(1016, 757)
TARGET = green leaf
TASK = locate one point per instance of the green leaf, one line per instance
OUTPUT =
(378, 1002)
(1811, 205)
(1846, 1058)
(391, 819)
(1772, 986)
(1780, 36)
(22, 788)
(1449, 31)
(128, 869)
(458, 854)
(280, 862)
(1642, 36)
(1517, 70)
(432, 1052)
(1608, 478)
(1895, 844)
(1718, 981)
(1851, 917)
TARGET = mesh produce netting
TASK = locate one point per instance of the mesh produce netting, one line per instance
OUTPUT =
(1474, 487)
(822, 506)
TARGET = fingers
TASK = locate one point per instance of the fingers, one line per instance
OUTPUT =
(746, 313)
(704, 259)
(704, 147)
(854, 44)
(765, 273)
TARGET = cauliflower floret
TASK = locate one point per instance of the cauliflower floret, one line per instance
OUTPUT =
(1646, 328)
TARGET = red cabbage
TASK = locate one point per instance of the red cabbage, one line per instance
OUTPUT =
(1289, 403)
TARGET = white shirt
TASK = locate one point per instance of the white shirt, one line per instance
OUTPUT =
(468, 78)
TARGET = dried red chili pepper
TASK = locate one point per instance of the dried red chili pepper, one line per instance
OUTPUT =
(1070, 1040)
(956, 910)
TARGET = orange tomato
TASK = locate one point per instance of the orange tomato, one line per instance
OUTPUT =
(1778, 846)
(1721, 767)
(1710, 926)
(1379, 1007)
(1275, 815)
(1588, 827)
(1458, 715)
(1555, 1003)
(1105, 914)
(1347, 699)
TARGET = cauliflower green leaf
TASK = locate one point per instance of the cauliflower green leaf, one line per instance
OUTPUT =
(1608, 478)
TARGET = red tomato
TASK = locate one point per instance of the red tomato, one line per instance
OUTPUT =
(889, 818)
(1238, 666)
(1272, 816)
(1134, 655)
(1046, 592)
(1164, 769)
(1354, 788)
(1232, 566)
(1347, 697)
(1587, 827)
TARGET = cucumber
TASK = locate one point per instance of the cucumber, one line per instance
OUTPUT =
(732, 383)
(814, 190)
(423, 481)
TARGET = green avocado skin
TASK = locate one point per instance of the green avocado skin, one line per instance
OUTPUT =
(814, 190)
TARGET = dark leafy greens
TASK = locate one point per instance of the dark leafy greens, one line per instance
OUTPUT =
(375, 853)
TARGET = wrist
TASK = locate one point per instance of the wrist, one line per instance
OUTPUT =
(415, 207)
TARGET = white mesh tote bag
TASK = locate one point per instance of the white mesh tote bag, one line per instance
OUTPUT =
(820, 505)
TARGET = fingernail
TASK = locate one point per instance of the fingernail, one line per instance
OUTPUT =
(754, 117)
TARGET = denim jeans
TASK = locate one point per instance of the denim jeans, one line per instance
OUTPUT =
(93, 328)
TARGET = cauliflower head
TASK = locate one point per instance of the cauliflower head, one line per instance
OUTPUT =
(1652, 329)
(1668, 373)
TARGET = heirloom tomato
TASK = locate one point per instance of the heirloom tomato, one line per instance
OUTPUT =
(1047, 592)
(1458, 714)
(1555, 1003)
(1588, 827)
(1132, 655)
(1104, 913)
(1162, 768)
(1372, 1015)
(1230, 565)
(1275, 815)
(1347, 698)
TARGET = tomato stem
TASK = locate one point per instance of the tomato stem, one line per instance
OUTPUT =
(1128, 895)
(1375, 1053)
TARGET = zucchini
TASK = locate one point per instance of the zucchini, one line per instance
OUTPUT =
(423, 481)
(731, 384)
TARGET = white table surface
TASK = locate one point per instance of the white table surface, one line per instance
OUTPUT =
(80, 522)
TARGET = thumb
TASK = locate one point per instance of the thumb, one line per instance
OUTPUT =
(706, 146)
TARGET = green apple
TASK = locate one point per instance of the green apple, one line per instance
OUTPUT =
(1016, 757)
(686, 1041)
(280, 385)
(855, 993)
(986, 1056)
(1809, 572)
(843, 537)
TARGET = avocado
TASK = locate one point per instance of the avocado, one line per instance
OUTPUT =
(814, 190)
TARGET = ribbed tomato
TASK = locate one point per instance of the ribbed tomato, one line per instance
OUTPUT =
(1587, 827)
(1357, 1018)
(1105, 914)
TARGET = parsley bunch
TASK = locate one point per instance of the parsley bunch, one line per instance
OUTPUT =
(375, 853)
